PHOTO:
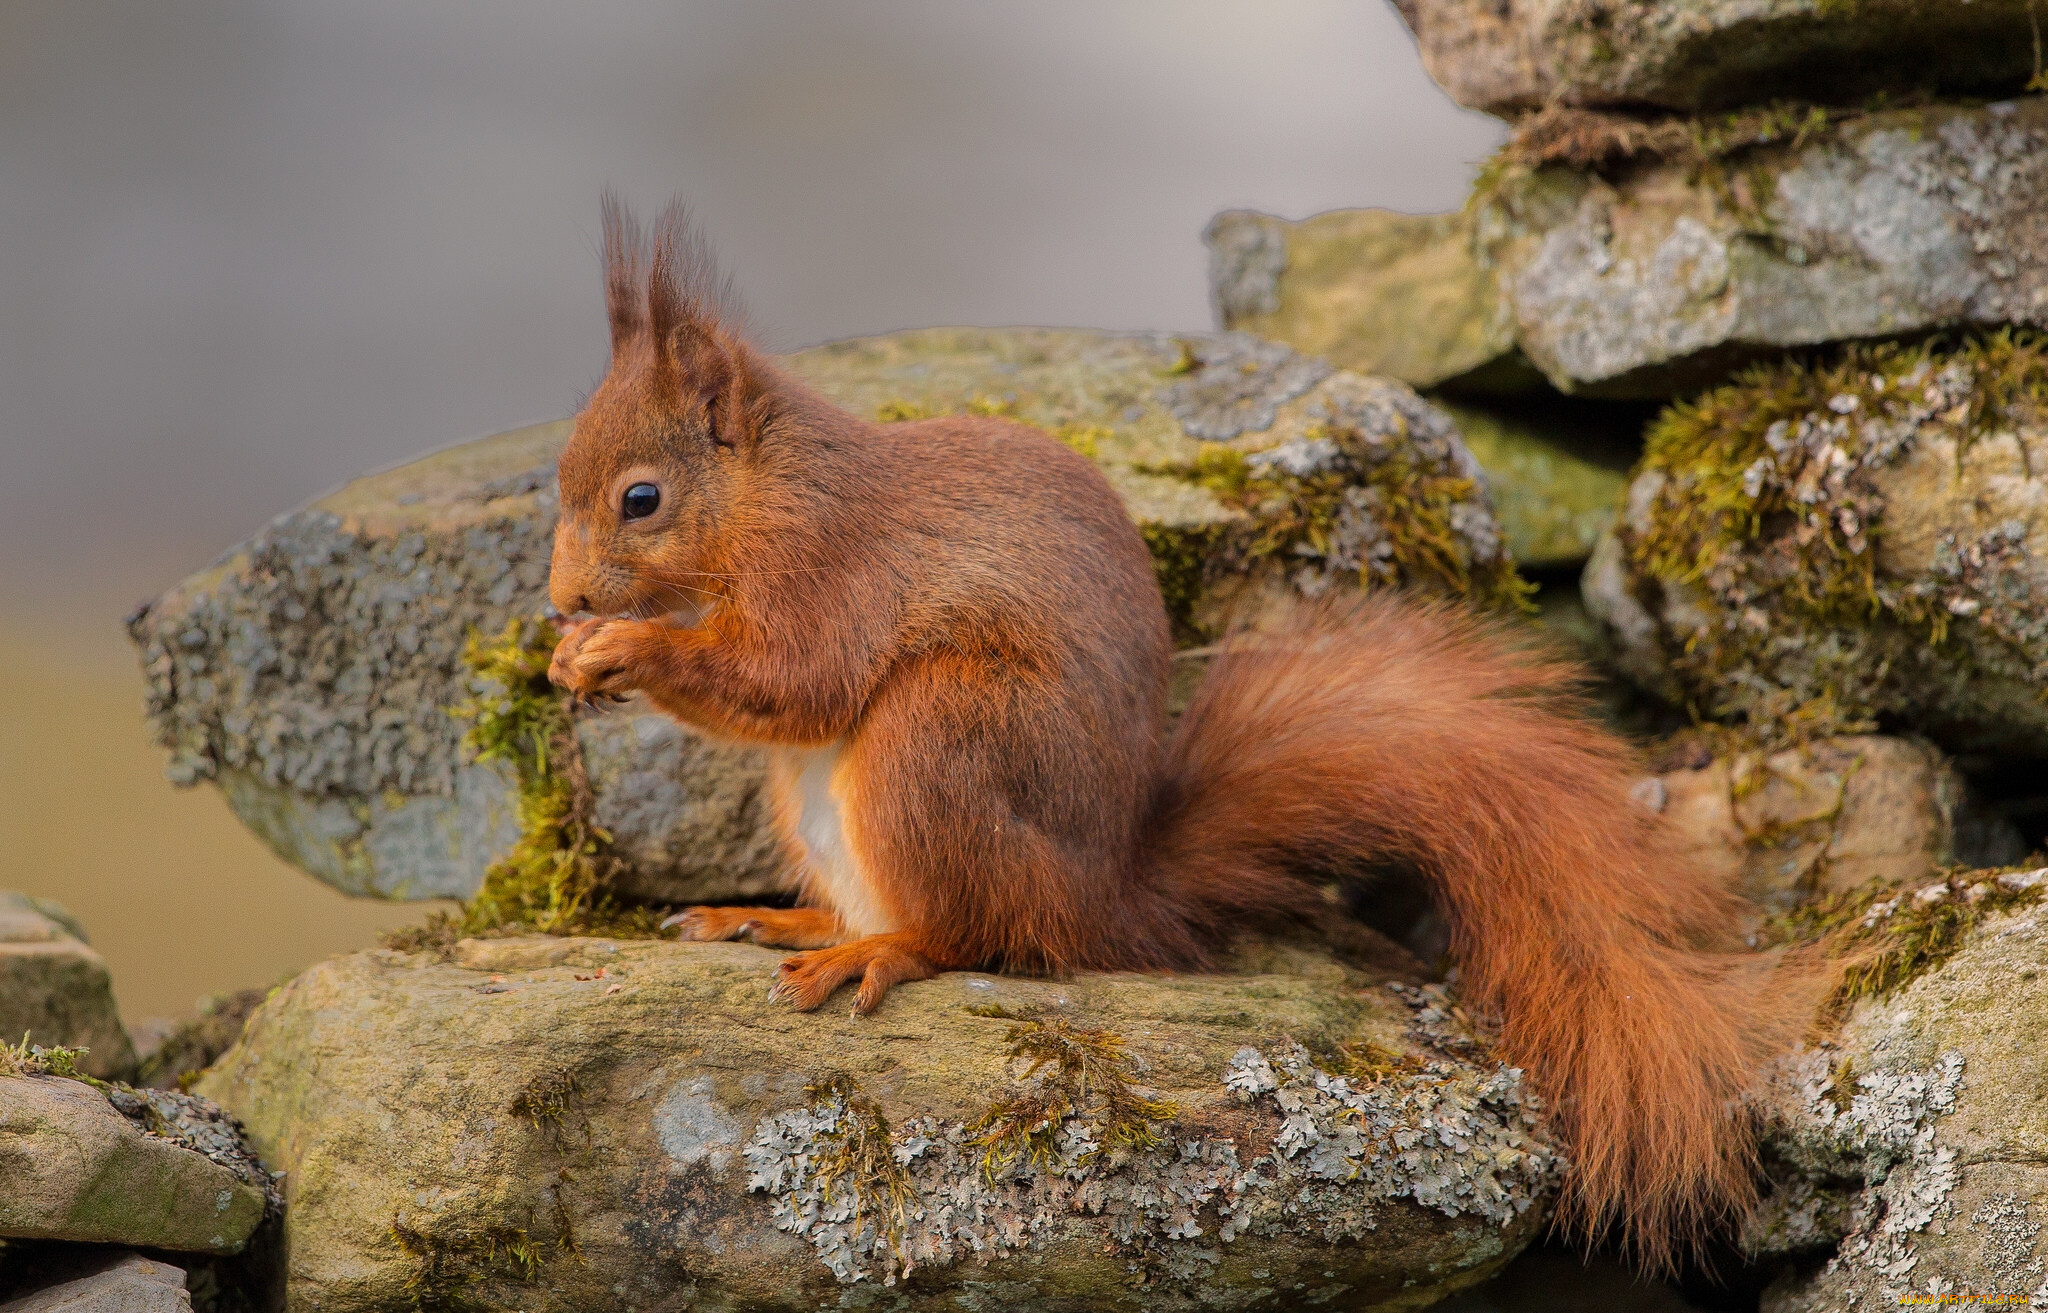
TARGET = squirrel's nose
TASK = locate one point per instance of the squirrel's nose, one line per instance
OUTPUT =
(582, 605)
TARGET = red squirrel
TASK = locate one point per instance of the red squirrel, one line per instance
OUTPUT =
(950, 639)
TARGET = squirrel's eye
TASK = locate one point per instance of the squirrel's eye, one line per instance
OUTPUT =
(641, 500)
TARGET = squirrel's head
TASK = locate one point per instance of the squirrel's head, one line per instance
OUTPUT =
(661, 455)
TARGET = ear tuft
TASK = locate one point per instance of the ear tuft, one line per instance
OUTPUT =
(676, 300)
(685, 289)
(624, 301)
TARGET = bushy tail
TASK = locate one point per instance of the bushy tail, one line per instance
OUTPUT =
(1387, 731)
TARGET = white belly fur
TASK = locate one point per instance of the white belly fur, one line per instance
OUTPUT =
(836, 878)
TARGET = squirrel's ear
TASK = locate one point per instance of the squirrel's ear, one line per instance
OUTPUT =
(719, 372)
(624, 291)
(697, 342)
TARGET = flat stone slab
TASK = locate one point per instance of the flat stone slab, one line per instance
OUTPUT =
(309, 673)
(73, 1168)
(1511, 56)
(465, 1125)
(1404, 295)
(1661, 280)
(121, 1283)
(56, 989)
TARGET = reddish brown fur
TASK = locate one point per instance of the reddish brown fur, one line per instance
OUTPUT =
(960, 610)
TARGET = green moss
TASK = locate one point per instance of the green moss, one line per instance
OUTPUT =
(856, 1156)
(1181, 556)
(1070, 1072)
(445, 1265)
(1428, 550)
(1599, 140)
(549, 880)
(1842, 1093)
(552, 881)
(897, 411)
(27, 1059)
(1772, 549)
(1288, 514)
(548, 1101)
(1367, 1063)
(1087, 439)
(1886, 937)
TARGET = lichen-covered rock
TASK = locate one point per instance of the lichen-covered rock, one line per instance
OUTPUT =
(115, 1282)
(55, 989)
(73, 1167)
(572, 1123)
(1507, 56)
(1846, 543)
(1825, 816)
(1404, 295)
(1656, 280)
(1919, 1138)
(310, 672)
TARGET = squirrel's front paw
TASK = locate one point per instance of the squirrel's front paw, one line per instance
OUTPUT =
(601, 659)
(711, 924)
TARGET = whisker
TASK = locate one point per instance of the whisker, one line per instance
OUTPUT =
(759, 574)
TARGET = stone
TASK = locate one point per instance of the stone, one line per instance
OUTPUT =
(1662, 277)
(556, 1124)
(310, 671)
(74, 1168)
(1555, 478)
(55, 989)
(186, 1048)
(1845, 544)
(111, 1283)
(1824, 817)
(1917, 1138)
(1403, 295)
(1510, 56)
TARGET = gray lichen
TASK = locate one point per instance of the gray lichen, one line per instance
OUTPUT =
(326, 667)
(1460, 1142)
(1832, 1125)
(1236, 383)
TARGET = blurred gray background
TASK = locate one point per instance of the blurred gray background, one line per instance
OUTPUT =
(249, 248)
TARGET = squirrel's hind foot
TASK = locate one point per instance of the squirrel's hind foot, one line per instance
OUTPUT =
(881, 961)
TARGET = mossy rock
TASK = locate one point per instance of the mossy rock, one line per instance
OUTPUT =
(1663, 277)
(1815, 548)
(1907, 1150)
(310, 673)
(548, 1123)
(1507, 58)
